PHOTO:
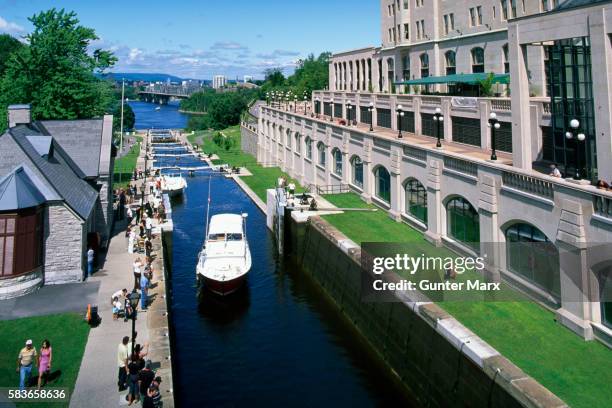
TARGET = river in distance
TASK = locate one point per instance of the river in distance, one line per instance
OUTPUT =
(277, 342)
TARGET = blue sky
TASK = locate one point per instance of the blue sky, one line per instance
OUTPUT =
(198, 39)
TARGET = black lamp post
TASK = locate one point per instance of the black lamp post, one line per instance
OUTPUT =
(494, 124)
(400, 114)
(295, 99)
(331, 115)
(580, 137)
(349, 107)
(134, 298)
(267, 98)
(371, 111)
(438, 118)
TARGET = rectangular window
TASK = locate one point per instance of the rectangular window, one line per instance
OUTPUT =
(418, 30)
(544, 6)
(406, 2)
(446, 28)
(472, 17)
(466, 130)
(452, 20)
(406, 31)
(423, 28)
(479, 13)
(383, 117)
(513, 8)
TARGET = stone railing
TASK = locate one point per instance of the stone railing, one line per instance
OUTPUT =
(528, 184)
(461, 166)
(501, 104)
(602, 206)
(415, 153)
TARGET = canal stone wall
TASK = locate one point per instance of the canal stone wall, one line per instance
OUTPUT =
(440, 362)
(248, 139)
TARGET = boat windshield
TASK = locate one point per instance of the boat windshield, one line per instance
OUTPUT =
(223, 237)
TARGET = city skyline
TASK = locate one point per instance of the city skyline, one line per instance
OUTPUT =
(200, 44)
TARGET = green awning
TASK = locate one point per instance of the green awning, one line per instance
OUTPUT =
(458, 79)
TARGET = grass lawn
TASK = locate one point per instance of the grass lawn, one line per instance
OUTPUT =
(575, 370)
(124, 166)
(68, 336)
(262, 179)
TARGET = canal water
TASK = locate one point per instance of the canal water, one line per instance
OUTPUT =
(277, 342)
(167, 117)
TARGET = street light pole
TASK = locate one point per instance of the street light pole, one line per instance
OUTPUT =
(580, 137)
(348, 113)
(494, 124)
(371, 110)
(399, 113)
(438, 118)
(331, 115)
(122, 101)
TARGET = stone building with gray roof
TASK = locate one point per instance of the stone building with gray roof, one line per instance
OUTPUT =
(55, 198)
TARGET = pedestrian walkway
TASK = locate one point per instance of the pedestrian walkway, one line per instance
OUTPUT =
(97, 379)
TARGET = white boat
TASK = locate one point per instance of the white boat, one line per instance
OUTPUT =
(173, 185)
(158, 108)
(225, 259)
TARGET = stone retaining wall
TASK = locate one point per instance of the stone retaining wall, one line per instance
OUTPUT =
(440, 362)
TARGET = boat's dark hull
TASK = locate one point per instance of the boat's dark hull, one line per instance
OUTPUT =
(223, 288)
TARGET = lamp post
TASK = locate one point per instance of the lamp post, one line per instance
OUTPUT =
(305, 104)
(295, 99)
(134, 298)
(267, 98)
(438, 118)
(349, 107)
(399, 113)
(331, 114)
(580, 137)
(371, 111)
(494, 124)
(317, 106)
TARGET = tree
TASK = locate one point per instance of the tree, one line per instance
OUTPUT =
(55, 72)
(8, 45)
(129, 118)
(274, 76)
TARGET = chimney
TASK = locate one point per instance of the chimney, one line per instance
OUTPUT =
(18, 115)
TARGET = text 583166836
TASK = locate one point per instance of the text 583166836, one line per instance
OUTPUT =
(35, 395)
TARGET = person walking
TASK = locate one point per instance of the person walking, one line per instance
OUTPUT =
(149, 225)
(122, 202)
(25, 360)
(137, 272)
(144, 289)
(90, 262)
(122, 357)
(44, 362)
(133, 369)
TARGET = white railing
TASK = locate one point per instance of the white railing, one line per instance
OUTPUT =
(528, 184)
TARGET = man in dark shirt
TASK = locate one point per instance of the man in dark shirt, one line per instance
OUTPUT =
(145, 378)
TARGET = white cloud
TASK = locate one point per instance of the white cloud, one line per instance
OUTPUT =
(10, 28)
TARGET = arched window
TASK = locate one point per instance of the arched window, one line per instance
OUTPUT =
(416, 200)
(357, 171)
(424, 59)
(298, 145)
(478, 62)
(462, 222)
(506, 59)
(321, 150)
(21, 237)
(406, 67)
(531, 255)
(308, 148)
(337, 156)
(450, 58)
(288, 138)
(383, 184)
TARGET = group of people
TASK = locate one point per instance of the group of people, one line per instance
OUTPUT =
(29, 358)
(601, 184)
(136, 375)
(288, 187)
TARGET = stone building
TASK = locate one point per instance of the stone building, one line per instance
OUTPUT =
(55, 198)
(469, 180)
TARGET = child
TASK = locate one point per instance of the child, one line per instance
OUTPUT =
(117, 308)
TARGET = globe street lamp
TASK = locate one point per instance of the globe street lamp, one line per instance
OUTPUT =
(349, 107)
(580, 137)
(267, 98)
(495, 125)
(400, 114)
(134, 298)
(371, 111)
(438, 118)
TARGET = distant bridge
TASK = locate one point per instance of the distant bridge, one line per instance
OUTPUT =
(162, 93)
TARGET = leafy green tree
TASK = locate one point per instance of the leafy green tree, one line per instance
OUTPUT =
(8, 45)
(129, 118)
(55, 72)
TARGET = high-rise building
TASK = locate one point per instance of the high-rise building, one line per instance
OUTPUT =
(219, 81)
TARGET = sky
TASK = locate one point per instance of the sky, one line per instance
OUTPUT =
(199, 39)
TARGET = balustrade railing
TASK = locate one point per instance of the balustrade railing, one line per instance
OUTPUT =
(461, 166)
(415, 153)
(528, 184)
(602, 206)
(501, 104)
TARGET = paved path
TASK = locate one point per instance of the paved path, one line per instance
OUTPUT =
(74, 298)
(97, 379)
